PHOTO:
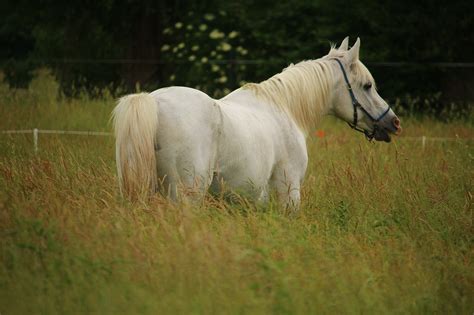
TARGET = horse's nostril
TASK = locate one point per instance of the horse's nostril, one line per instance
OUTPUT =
(396, 122)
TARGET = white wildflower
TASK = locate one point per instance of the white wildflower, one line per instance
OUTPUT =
(225, 46)
(209, 16)
(233, 34)
(216, 34)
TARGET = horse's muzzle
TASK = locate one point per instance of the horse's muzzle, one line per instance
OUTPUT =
(387, 126)
(382, 135)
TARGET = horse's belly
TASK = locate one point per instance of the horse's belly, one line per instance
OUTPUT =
(246, 160)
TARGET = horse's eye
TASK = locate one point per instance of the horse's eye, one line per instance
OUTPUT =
(367, 86)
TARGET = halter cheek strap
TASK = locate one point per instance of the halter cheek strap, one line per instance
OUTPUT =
(356, 104)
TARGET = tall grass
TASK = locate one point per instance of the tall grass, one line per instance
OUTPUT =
(383, 228)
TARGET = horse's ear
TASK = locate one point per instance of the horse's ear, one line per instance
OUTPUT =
(345, 44)
(353, 53)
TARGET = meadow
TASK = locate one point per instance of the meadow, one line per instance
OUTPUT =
(383, 228)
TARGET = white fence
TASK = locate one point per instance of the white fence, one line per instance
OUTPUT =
(36, 132)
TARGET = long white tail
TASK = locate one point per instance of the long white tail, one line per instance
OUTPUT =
(135, 120)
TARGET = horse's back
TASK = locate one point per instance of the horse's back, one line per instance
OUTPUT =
(184, 107)
(180, 93)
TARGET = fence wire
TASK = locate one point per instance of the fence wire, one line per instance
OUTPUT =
(36, 132)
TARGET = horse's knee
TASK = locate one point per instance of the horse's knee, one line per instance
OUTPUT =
(294, 200)
(289, 197)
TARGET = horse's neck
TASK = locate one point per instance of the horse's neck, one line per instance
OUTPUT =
(304, 91)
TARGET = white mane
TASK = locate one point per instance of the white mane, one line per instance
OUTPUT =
(301, 90)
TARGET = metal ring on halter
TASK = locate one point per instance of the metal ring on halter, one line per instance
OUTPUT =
(355, 104)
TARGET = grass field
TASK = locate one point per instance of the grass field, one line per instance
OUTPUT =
(383, 228)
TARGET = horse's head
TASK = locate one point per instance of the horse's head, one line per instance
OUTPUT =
(355, 97)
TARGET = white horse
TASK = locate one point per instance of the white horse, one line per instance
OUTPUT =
(253, 140)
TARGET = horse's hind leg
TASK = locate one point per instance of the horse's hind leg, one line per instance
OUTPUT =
(183, 180)
(195, 179)
(183, 184)
(168, 181)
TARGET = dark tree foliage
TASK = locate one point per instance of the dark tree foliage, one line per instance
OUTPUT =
(119, 42)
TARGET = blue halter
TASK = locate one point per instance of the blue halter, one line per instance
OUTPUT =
(356, 104)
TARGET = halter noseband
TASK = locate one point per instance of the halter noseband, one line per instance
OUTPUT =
(355, 104)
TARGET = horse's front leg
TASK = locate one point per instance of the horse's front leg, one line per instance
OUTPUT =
(289, 196)
(287, 186)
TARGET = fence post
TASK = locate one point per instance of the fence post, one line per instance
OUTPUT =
(423, 141)
(35, 139)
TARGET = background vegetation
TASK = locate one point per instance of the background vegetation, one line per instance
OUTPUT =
(207, 44)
